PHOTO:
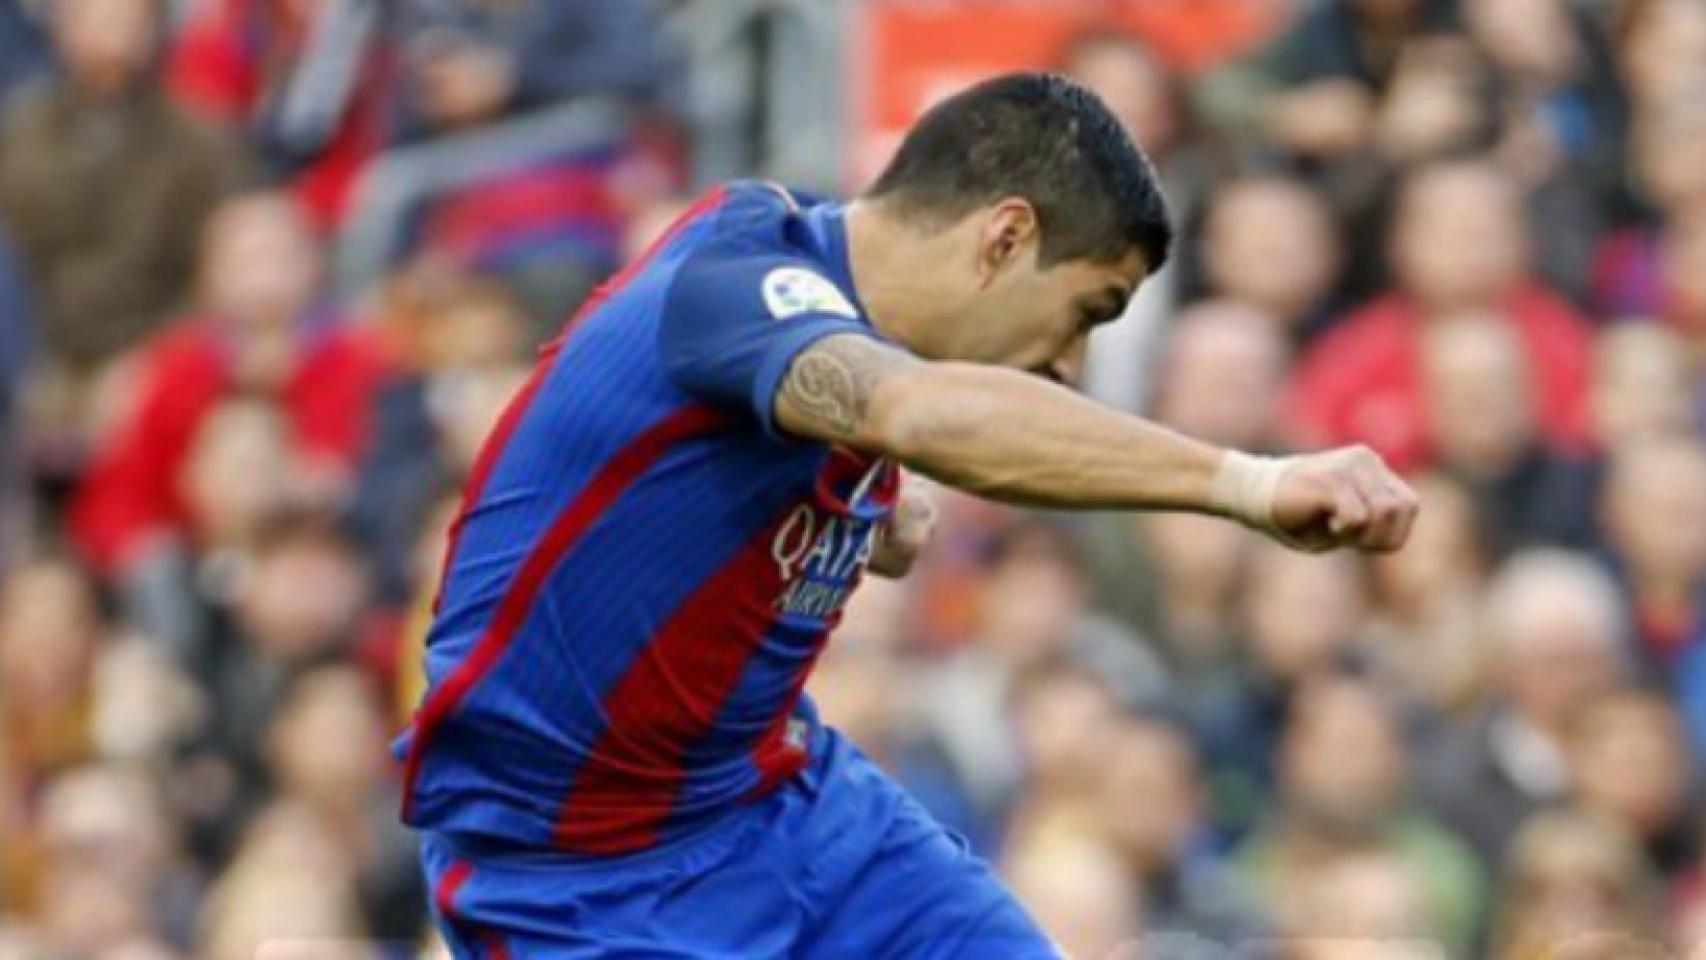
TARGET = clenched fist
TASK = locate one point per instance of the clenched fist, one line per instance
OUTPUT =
(1317, 502)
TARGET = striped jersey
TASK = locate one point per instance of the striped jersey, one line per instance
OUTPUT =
(644, 568)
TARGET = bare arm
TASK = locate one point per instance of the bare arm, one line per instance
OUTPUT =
(994, 432)
(1017, 438)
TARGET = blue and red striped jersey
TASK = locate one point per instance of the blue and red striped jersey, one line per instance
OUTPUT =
(644, 568)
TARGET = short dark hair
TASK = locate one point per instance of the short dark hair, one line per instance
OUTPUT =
(1047, 139)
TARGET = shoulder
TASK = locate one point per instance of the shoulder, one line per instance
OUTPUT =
(751, 258)
(756, 271)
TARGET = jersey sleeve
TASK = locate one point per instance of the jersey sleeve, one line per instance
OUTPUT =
(732, 326)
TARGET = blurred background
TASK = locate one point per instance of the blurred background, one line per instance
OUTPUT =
(269, 269)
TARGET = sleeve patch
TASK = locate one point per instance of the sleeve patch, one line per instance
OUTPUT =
(791, 291)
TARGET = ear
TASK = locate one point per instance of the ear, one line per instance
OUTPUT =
(1010, 235)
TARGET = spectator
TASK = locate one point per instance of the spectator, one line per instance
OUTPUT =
(430, 422)
(261, 331)
(172, 596)
(493, 162)
(143, 706)
(1478, 400)
(298, 606)
(1661, 48)
(1642, 386)
(1198, 567)
(1423, 647)
(1301, 617)
(1668, 147)
(1301, 613)
(291, 881)
(1154, 806)
(311, 84)
(1332, 66)
(1219, 378)
(1063, 717)
(1562, 122)
(110, 877)
(1362, 906)
(327, 746)
(1172, 580)
(1270, 243)
(1655, 513)
(1642, 269)
(1221, 375)
(1442, 208)
(1576, 886)
(1033, 609)
(1553, 623)
(50, 633)
(1433, 105)
(240, 437)
(477, 60)
(1076, 889)
(1654, 272)
(1456, 246)
(866, 685)
(1630, 764)
(1343, 792)
(105, 186)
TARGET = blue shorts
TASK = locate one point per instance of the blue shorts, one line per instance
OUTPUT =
(837, 862)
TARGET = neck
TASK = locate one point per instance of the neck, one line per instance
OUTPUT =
(890, 262)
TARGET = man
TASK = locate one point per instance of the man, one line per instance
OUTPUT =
(1342, 792)
(1154, 801)
(105, 186)
(1553, 623)
(1458, 244)
(613, 759)
(1478, 396)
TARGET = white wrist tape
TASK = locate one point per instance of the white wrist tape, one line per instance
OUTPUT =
(1245, 487)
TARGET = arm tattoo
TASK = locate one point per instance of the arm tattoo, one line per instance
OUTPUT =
(829, 386)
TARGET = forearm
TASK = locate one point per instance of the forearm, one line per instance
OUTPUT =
(1017, 438)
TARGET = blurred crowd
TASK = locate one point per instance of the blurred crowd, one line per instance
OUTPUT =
(269, 269)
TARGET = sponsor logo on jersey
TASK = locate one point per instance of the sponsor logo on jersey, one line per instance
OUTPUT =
(820, 556)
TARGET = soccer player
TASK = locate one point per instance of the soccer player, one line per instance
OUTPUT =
(614, 759)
